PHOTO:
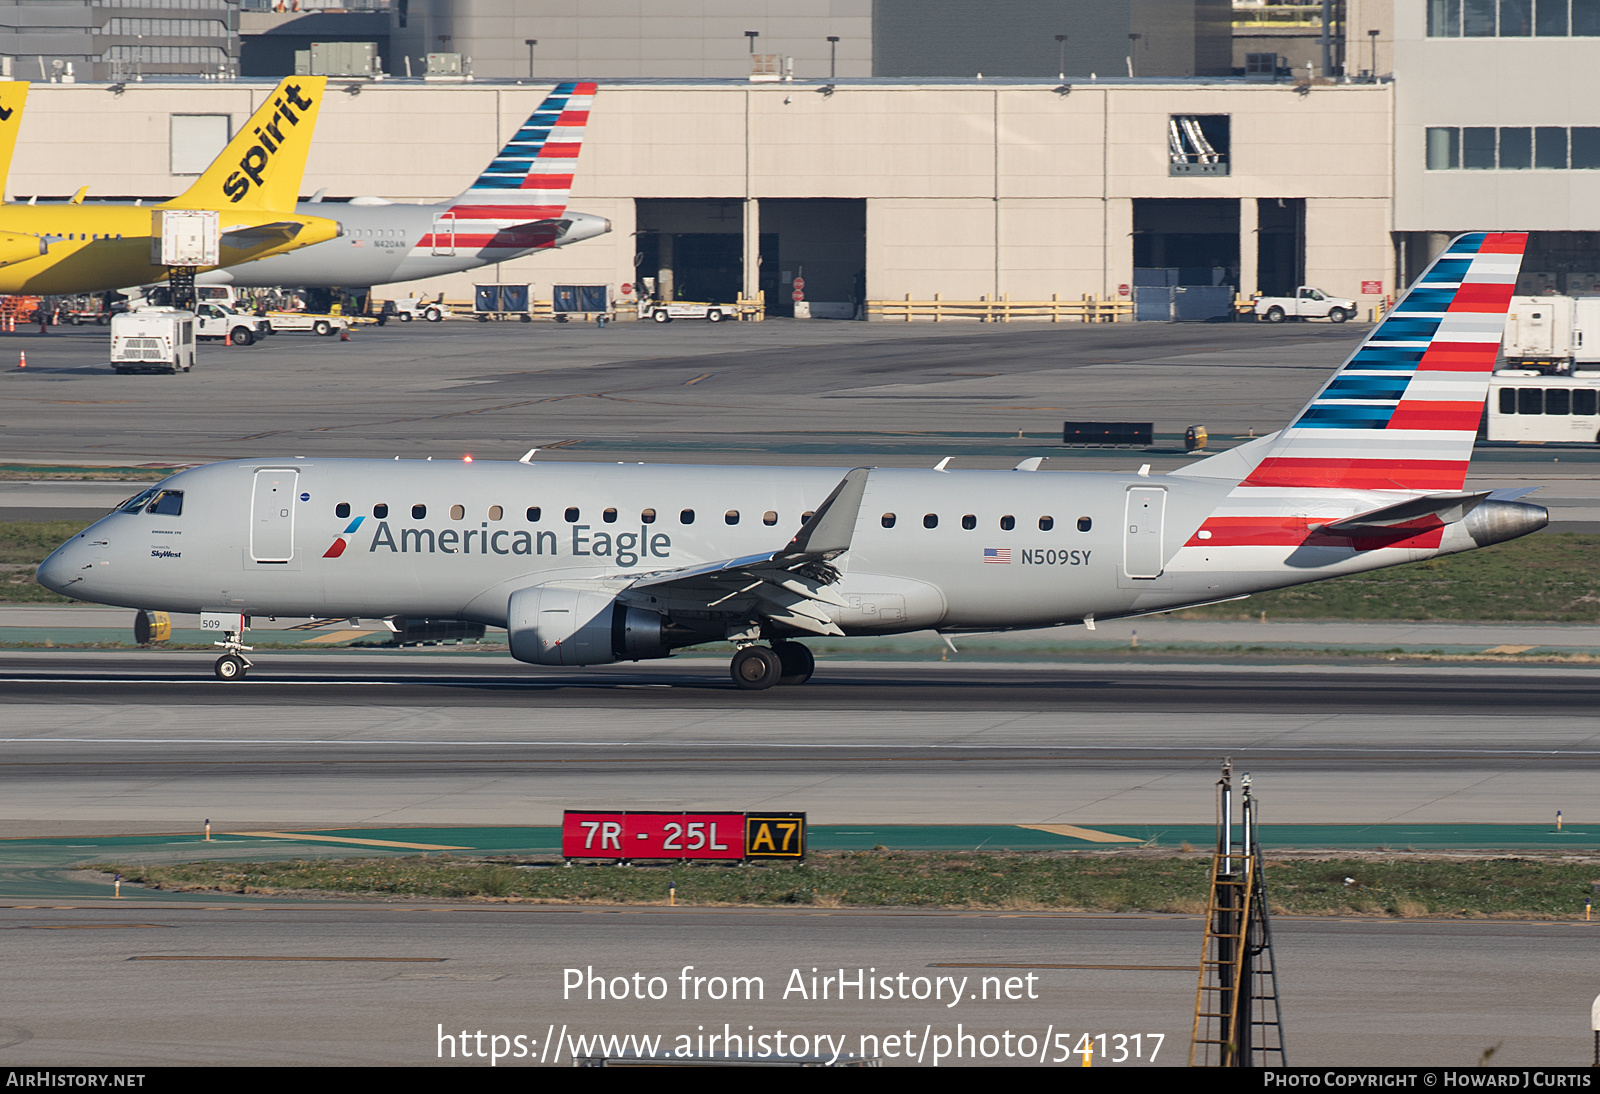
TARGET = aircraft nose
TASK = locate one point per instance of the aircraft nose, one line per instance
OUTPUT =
(60, 569)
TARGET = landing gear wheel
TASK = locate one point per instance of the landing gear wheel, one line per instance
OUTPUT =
(755, 668)
(1274, 314)
(797, 663)
(230, 667)
(1338, 315)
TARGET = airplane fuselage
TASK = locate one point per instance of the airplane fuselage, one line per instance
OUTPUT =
(955, 550)
(388, 243)
(92, 247)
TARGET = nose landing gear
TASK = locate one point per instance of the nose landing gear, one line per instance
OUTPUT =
(232, 665)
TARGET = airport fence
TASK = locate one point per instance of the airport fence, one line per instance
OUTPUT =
(1002, 309)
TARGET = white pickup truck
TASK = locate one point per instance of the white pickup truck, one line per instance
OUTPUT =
(1306, 303)
(219, 321)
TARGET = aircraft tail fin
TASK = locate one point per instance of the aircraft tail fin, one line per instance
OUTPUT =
(13, 96)
(531, 177)
(262, 167)
(1402, 413)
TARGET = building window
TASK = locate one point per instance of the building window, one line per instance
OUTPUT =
(1514, 148)
(1477, 148)
(1513, 18)
(1444, 148)
(1198, 144)
(1550, 148)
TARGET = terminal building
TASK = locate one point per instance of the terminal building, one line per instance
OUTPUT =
(1030, 186)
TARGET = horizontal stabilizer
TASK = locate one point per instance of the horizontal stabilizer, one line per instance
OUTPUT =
(244, 237)
(1431, 511)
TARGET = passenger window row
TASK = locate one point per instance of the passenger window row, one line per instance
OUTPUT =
(572, 514)
(970, 521)
(1548, 400)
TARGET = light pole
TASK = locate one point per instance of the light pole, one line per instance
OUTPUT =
(530, 43)
(833, 56)
(1373, 35)
(752, 35)
(1061, 56)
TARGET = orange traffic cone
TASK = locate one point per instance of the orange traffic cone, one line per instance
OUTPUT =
(23, 363)
(344, 334)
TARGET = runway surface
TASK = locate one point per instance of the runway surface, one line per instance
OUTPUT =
(378, 984)
(140, 742)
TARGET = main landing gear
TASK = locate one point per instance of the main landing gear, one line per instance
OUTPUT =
(232, 665)
(756, 668)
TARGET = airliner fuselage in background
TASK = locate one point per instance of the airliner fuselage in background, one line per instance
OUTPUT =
(390, 242)
(588, 564)
(517, 206)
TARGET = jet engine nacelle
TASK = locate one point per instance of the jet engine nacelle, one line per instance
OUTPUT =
(581, 623)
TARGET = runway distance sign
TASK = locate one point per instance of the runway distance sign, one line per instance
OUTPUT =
(627, 835)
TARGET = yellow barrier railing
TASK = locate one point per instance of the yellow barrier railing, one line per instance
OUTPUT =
(1089, 309)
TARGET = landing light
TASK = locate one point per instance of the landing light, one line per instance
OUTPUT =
(466, 459)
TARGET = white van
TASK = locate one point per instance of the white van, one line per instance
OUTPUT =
(153, 340)
(1528, 406)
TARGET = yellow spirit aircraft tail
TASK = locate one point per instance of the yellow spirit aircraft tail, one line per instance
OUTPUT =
(262, 166)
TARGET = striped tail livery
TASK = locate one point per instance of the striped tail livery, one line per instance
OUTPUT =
(518, 202)
(1372, 470)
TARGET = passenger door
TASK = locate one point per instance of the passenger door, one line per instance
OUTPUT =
(1142, 532)
(272, 516)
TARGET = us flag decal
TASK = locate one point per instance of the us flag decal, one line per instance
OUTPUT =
(997, 554)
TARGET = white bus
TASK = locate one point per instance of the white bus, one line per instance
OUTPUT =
(1529, 407)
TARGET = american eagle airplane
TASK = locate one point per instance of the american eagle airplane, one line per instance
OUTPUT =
(586, 564)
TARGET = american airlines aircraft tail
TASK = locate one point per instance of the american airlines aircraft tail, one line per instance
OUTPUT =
(518, 200)
(517, 205)
(592, 563)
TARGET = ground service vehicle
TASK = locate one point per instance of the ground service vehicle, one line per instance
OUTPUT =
(1306, 303)
(665, 311)
(587, 564)
(418, 308)
(1532, 407)
(223, 323)
(153, 340)
(1548, 333)
(279, 322)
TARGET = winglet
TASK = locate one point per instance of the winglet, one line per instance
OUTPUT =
(261, 168)
(828, 532)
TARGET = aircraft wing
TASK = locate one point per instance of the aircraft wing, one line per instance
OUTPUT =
(243, 237)
(787, 586)
(1429, 511)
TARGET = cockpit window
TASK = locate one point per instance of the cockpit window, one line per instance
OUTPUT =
(136, 503)
(168, 503)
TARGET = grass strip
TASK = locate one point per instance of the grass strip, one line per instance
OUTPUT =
(1136, 881)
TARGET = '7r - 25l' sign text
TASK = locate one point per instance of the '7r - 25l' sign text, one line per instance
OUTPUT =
(629, 835)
